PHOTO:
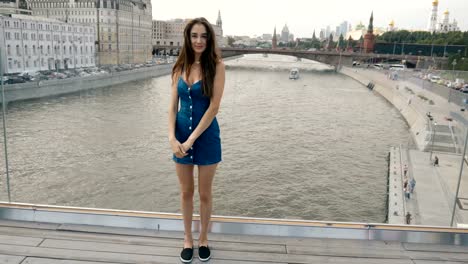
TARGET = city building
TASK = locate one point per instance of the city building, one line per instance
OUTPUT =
(369, 38)
(391, 26)
(169, 35)
(123, 28)
(284, 34)
(274, 41)
(322, 35)
(14, 7)
(30, 44)
(267, 36)
(433, 20)
(443, 26)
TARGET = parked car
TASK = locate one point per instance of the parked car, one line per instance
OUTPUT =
(434, 78)
(464, 89)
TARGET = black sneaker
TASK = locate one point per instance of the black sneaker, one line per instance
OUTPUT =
(204, 253)
(186, 255)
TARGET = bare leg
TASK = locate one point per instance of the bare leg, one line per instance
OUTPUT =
(185, 175)
(205, 183)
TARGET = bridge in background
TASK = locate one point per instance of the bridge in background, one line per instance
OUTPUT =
(335, 58)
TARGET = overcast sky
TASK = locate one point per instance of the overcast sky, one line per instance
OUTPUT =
(255, 17)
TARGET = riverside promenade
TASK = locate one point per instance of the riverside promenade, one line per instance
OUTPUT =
(433, 198)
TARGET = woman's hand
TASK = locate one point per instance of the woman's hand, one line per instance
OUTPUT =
(187, 145)
(177, 148)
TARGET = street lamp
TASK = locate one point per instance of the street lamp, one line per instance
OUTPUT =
(433, 136)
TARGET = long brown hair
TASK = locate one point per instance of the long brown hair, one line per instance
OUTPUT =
(208, 59)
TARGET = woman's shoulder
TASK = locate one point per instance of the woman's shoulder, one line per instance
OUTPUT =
(220, 65)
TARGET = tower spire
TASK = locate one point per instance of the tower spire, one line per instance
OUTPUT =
(274, 40)
(370, 28)
(219, 22)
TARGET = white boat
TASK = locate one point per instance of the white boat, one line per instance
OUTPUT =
(294, 74)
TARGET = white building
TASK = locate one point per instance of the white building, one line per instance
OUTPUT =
(170, 33)
(30, 44)
(14, 7)
(284, 34)
(123, 27)
(433, 20)
(445, 26)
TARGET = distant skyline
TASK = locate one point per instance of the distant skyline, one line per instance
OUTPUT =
(257, 17)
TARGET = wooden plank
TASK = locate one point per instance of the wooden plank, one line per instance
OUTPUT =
(348, 243)
(62, 261)
(171, 234)
(355, 251)
(305, 259)
(20, 240)
(417, 261)
(148, 249)
(83, 255)
(7, 259)
(111, 247)
(59, 261)
(435, 247)
(437, 256)
(154, 241)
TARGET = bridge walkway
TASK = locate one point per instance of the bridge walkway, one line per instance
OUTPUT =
(46, 243)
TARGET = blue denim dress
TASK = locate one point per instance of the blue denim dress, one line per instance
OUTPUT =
(193, 104)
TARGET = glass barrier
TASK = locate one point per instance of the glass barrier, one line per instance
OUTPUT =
(4, 182)
(313, 144)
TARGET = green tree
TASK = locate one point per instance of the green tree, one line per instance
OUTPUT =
(230, 41)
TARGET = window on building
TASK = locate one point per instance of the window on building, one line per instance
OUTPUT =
(64, 50)
(110, 47)
(8, 50)
(27, 64)
(10, 65)
(26, 50)
(18, 50)
(34, 49)
(48, 49)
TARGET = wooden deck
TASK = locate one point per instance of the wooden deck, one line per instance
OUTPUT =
(42, 243)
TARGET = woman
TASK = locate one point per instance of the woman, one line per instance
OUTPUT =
(198, 83)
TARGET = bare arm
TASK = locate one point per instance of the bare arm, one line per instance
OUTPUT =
(176, 147)
(215, 101)
(173, 107)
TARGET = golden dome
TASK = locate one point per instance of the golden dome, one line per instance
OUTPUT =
(435, 2)
(392, 23)
(446, 12)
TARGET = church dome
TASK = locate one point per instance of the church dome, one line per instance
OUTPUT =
(446, 12)
(435, 2)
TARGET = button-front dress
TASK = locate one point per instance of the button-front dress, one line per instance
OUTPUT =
(193, 104)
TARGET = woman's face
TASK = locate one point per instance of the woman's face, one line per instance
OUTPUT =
(198, 37)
